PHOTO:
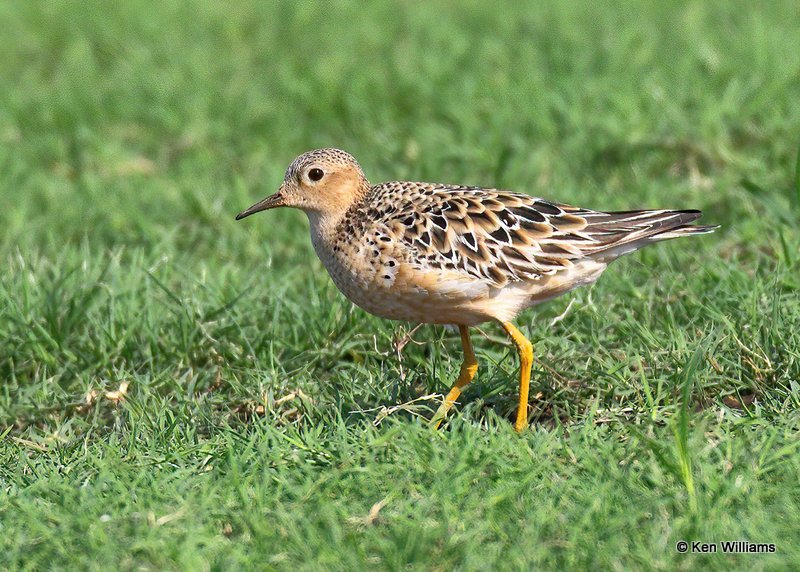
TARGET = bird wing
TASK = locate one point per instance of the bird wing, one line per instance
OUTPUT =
(503, 237)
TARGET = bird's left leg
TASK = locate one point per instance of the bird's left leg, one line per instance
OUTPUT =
(468, 369)
(525, 351)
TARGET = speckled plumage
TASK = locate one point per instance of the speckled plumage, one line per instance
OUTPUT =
(449, 254)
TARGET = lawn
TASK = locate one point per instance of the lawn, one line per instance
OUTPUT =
(182, 391)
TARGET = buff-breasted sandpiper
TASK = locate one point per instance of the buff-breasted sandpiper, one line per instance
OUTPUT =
(452, 254)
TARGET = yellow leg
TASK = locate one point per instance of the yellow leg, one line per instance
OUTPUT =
(525, 350)
(468, 368)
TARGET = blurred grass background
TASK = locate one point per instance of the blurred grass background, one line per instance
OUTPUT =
(131, 133)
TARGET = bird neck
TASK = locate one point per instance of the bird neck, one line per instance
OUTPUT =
(325, 227)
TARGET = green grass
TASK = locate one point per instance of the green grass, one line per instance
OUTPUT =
(259, 427)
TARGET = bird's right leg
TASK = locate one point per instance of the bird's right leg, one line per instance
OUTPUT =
(468, 368)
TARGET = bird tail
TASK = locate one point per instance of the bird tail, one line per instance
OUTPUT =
(625, 231)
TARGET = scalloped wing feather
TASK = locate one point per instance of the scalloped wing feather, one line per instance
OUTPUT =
(503, 237)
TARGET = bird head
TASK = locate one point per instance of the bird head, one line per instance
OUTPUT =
(324, 183)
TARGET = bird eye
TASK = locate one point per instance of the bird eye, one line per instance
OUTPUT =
(315, 174)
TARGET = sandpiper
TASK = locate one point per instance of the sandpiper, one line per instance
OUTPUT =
(453, 254)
